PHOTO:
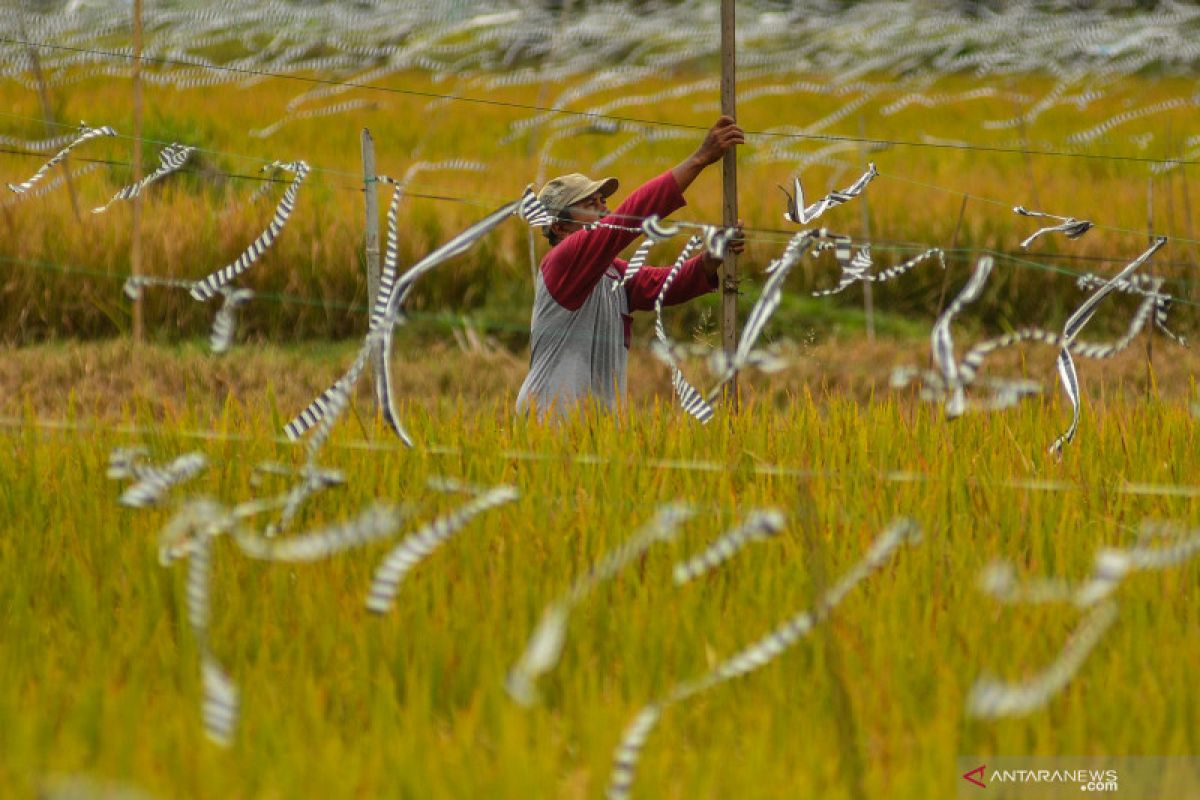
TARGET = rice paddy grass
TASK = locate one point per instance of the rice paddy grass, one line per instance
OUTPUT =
(99, 675)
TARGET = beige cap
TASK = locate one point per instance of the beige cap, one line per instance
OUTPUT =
(566, 190)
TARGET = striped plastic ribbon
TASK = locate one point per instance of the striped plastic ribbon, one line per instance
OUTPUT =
(151, 483)
(765, 650)
(85, 134)
(416, 546)
(545, 644)
(1072, 228)
(759, 526)
(206, 288)
(799, 214)
(170, 159)
(689, 398)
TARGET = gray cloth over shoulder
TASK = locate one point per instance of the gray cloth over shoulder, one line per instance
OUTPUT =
(576, 354)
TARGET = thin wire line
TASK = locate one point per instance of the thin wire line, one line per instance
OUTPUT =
(1019, 261)
(612, 215)
(982, 199)
(597, 116)
(146, 140)
(200, 171)
(593, 460)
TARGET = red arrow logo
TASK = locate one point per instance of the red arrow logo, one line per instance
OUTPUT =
(978, 781)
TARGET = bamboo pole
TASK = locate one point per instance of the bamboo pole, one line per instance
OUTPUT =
(729, 211)
(371, 232)
(135, 225)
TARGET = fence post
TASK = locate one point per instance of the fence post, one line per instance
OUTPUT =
(371, 232)
(729, 217)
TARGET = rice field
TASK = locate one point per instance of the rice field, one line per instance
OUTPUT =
(100, 675)
(101, 689)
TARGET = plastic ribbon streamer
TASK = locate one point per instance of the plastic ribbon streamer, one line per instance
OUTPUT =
(1151, 305)
(207, 287)
(170, 159)
(767, 359)
(134, 285)
(268, 183)
(636, 262)
(856, 271)
(763, 651)
(336, 397)
(151, 483)
(221, 703)
(123, 461)
(716, 240)
(54, 183)
(459, 244)
(1146, 286)
(691, 400)
(643, 136)
(225, 322)
(36, 145)
(85, 134)
(942, 342)
(768, 302)
(991, 698)
(659, 229)
(416, 546)
(375, 523)
(313, 479)
(189, 535)
(799, 214)
(313, 113)
(532, 211)
(935, 100)
(1071, 227)
(1085, 136)
(545, 644)
(841, 245)
(760, 526)
(946, 382)
(382, 349)
(1110, 567)
(1075, 323)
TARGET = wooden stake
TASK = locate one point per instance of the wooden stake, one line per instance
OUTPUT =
(135, 224)
(35, 62)
(371, 231)
(729, 210)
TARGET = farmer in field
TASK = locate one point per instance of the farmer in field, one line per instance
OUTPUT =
(580, 330)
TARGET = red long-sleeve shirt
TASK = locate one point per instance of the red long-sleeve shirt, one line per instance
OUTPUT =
(580, 329)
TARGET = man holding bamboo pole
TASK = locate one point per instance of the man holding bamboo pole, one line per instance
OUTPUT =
(579, 342)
